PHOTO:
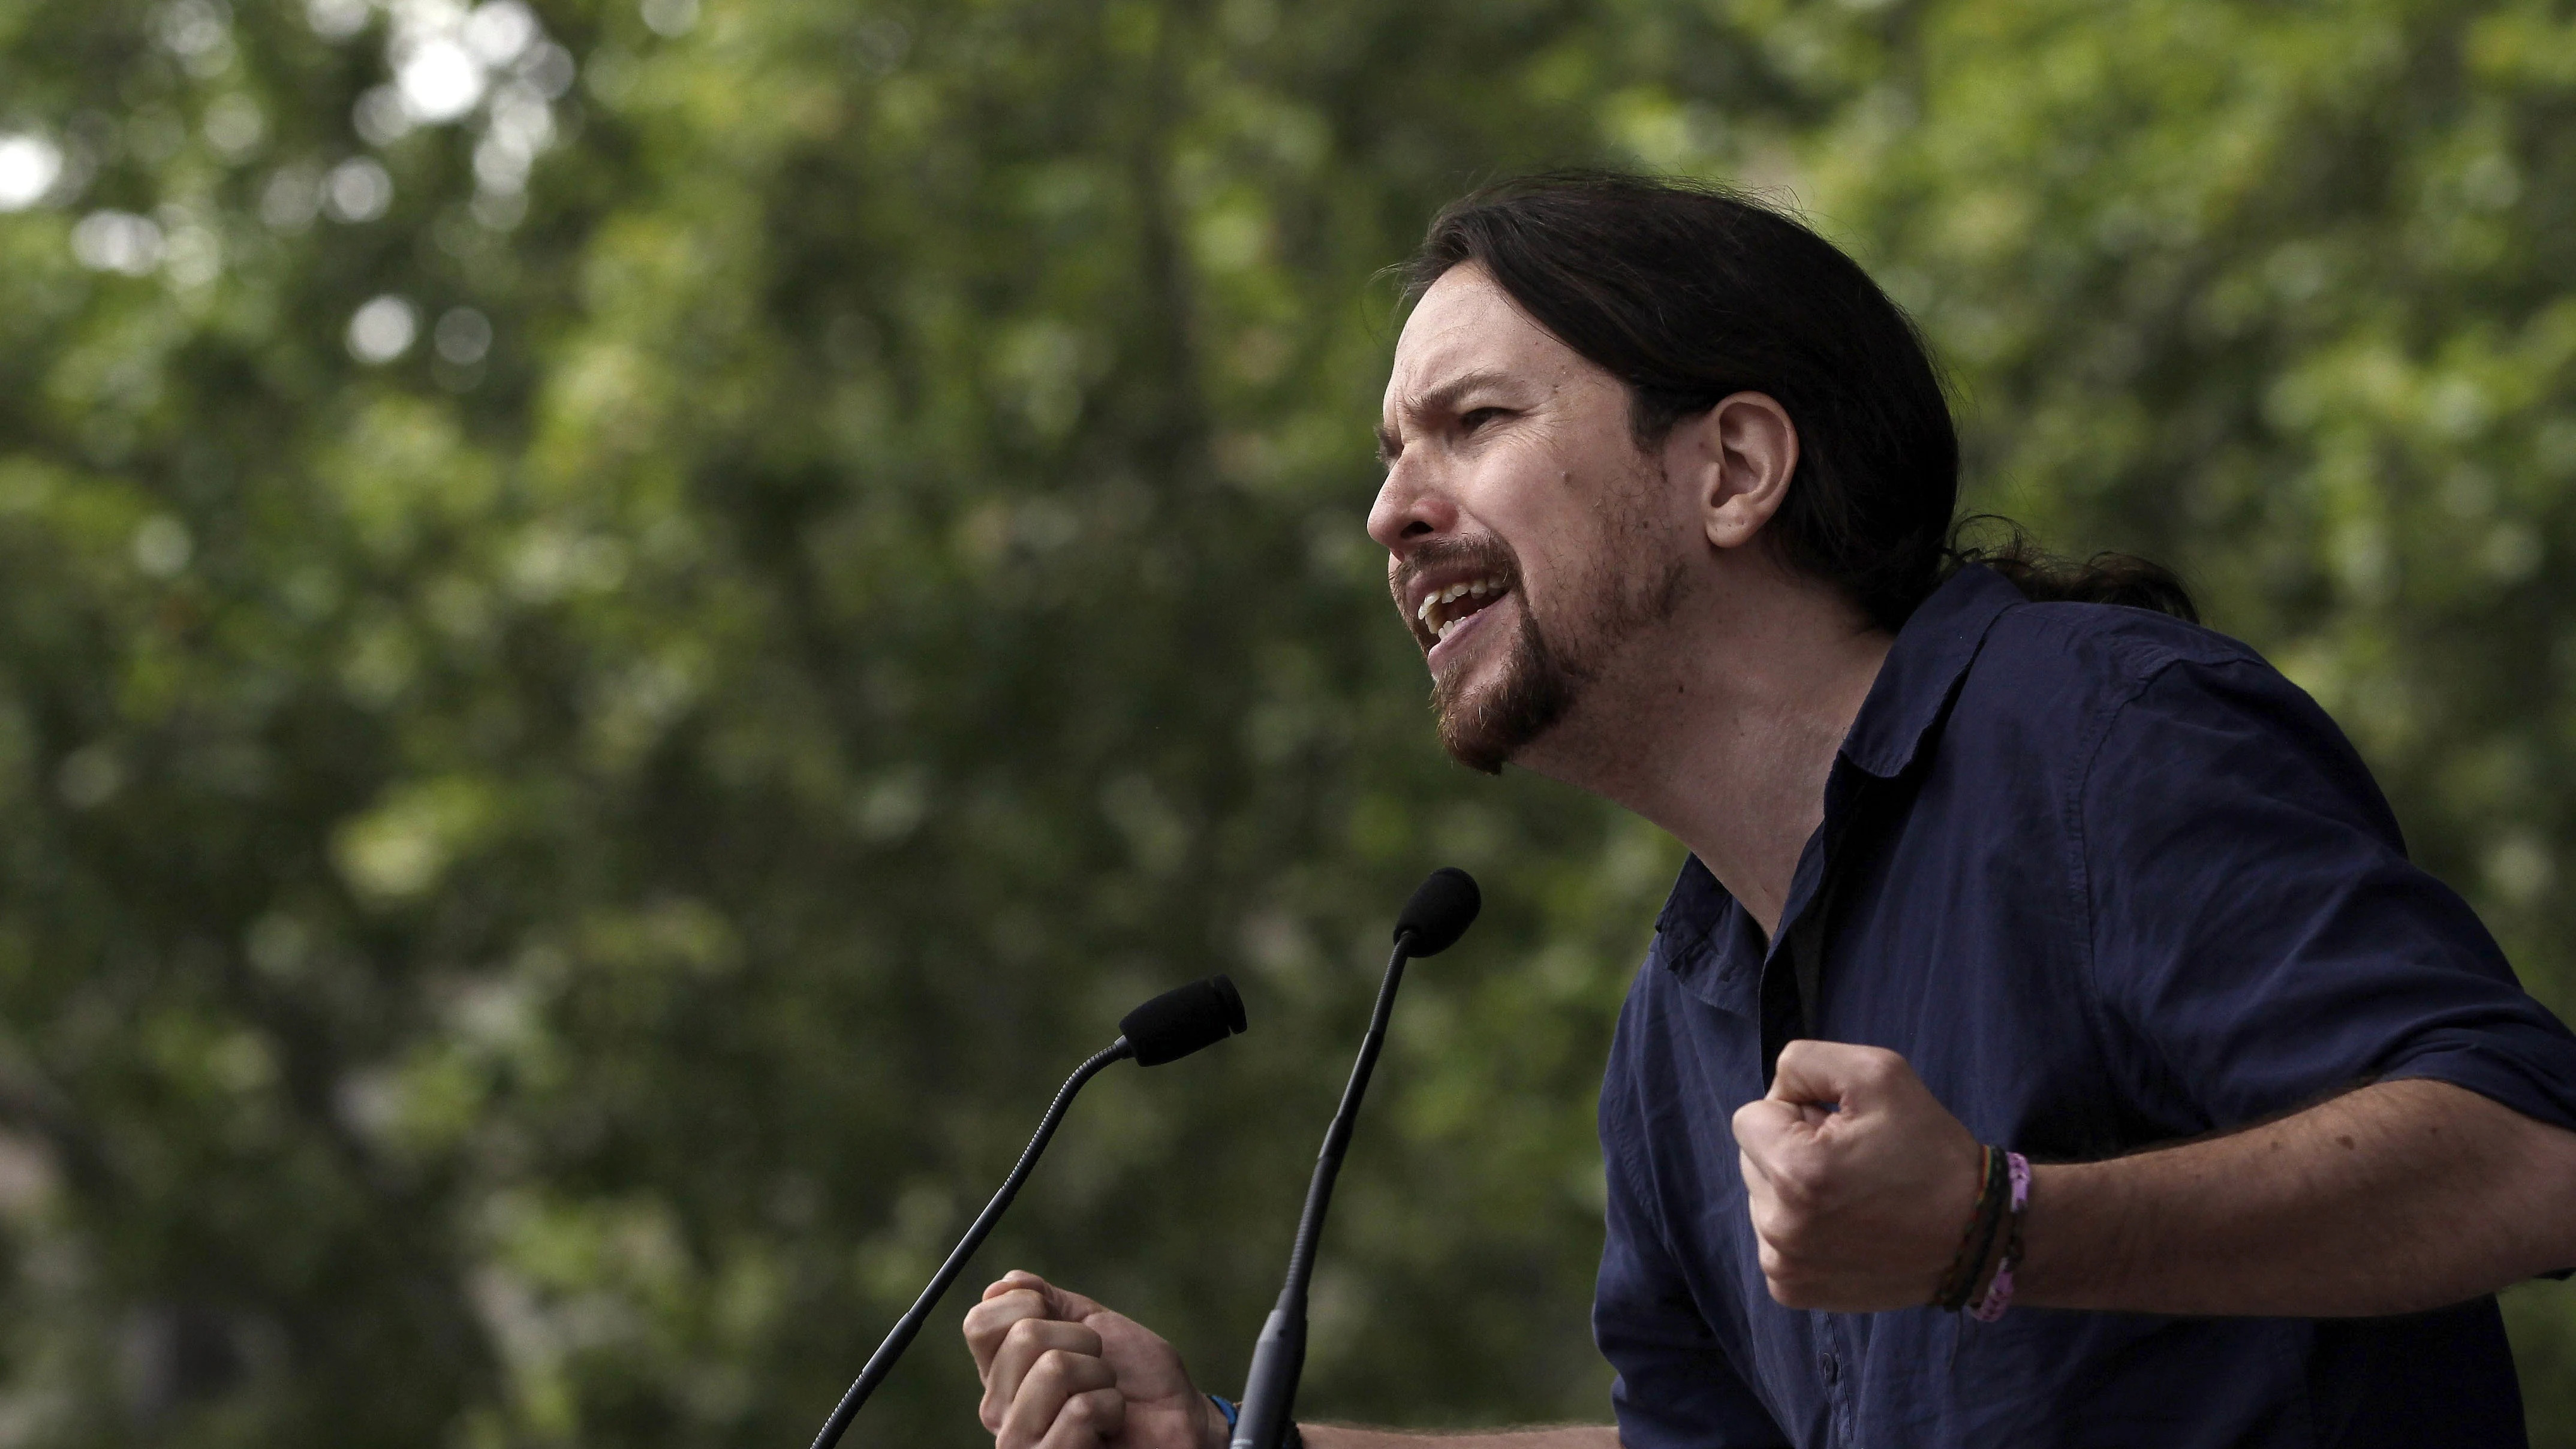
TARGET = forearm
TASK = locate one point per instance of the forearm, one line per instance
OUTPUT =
(2392, 1199)
(1568, 1436)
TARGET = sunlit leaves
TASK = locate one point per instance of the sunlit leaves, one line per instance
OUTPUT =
(629, 625)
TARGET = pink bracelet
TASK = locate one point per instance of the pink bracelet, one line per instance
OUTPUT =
(1999, 1293)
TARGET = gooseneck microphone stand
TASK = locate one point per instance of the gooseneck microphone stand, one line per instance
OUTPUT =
(1279, 1355)
(1440, 912)
(1167, 1028)
(908, 1327)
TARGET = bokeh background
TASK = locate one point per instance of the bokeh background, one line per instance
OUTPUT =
(624, 630)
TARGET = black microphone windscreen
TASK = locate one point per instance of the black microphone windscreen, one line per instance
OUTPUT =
(1182, 1020)
(1442, 909)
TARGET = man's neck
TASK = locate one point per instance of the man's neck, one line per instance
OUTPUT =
(1722, 725)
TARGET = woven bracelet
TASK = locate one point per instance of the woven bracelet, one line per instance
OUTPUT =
(1968, 1263)
(2000, 1292)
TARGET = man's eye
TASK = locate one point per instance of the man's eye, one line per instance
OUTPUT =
(1474, 418)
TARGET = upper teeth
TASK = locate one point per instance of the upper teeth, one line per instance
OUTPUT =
(1476, 588)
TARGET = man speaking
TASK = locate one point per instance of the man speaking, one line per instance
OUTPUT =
(2048, 1041)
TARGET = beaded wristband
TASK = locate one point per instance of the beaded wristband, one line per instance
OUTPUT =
(1999, 1293)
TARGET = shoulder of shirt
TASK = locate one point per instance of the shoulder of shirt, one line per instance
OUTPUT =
(2108, 651)
(2051, 680)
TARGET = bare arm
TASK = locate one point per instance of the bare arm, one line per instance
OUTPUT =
(2393, 1198)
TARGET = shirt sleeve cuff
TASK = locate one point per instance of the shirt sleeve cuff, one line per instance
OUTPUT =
(2529, 1069)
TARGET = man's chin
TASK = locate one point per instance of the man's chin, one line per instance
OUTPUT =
(1483, 729)
(1478, 749)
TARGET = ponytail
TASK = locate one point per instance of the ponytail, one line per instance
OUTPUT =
(2044, 578)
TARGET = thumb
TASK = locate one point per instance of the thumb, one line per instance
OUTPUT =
(1763, 1125)
(1832, 1073)
(1015, 1280)
(1070, 1306)
(1061, 1304)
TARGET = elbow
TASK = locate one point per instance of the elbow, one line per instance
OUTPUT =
(2532, 1194)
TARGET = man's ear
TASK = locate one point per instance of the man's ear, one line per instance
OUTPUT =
(1739, 457)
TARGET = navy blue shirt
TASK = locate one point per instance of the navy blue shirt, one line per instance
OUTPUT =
(2106, 880)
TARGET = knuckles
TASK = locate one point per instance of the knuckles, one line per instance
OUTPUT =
(1804, 1180)
(1793, 1220)
(988, 1322)
(1790, 1244)
(1053, 1365)
(1804, 1189)
(1020, 1332)
(1793, 1238)
(1877, 1066)
(1792, 1284)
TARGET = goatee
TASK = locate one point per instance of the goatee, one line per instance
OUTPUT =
(1534, 694)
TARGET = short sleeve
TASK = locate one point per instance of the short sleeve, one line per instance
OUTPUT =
(1676, 1388)
(2260, 938)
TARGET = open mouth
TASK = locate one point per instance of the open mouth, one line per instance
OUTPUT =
(1444, 609)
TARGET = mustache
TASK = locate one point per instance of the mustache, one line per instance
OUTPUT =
(1489, 555)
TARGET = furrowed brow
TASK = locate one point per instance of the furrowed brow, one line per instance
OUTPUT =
(1445, 397)
(1430, 403)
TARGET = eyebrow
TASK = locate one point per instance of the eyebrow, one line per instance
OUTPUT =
(1438, 399)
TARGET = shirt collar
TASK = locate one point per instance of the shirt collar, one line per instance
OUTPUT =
(1923, 669)
(1903, 710)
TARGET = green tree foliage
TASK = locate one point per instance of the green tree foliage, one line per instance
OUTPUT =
(627, 629)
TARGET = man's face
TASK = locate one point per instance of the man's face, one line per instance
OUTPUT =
(1528, 538)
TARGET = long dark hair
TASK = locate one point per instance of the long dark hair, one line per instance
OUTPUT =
(1689, 292)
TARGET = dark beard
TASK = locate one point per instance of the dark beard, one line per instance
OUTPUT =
(1535, 693)
(1541, 684)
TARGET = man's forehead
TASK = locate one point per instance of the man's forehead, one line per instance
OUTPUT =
(1466, 328)
(1434, 379)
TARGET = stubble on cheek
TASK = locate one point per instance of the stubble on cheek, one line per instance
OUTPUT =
(1541, 682)
(1619, 591)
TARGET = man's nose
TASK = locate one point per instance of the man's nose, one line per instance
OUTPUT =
(1409, 508)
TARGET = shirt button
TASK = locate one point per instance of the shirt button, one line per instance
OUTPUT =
(1826, 1362)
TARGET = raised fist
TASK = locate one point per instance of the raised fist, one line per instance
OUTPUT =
(1062, 1372)
(1861, 1183)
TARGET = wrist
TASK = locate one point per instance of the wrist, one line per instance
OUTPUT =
(1980, 1279)
(1216, 1422)
(2064, 1259)
(1227, 1414)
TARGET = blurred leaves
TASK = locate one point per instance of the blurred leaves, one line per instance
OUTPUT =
(629, 627)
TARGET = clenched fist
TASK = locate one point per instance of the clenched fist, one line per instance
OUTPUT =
(1861, 1183)
(1062, 1372)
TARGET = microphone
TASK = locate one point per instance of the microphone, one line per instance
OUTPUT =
(1165, 1029)
(1442, 909)
(1182, 1020)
